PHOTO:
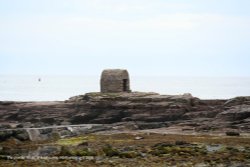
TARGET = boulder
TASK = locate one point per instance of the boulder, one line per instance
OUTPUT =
(238, 101)
(21, 135)
(235, 113)
(5, 134)
(232, 133)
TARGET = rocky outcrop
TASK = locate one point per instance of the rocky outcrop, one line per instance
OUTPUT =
(51, 132)
(148, 110)
(235, 113)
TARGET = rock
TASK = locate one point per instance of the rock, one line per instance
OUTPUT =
(65, 123)
(53, 136)
(34, 134)
(45, 130)
(40, 124)
(181, 142)
(164, 144)
(5, 126)
(47, 151)
(19, 126)
(17, 134)
(203, 128)
(6, 102)
(235, 113)
(5, 134)
(151, 110)
(238, 101)
(110, 151)
(65, 133)
(138, 138)
(48, 120)
(150, 125)
(129, 154)
(25, 125)
(232, 133)
(21, 135)
(201, 114)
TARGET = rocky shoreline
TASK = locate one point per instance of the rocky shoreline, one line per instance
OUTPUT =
(124, 129)
(122, 111)
(99, 108)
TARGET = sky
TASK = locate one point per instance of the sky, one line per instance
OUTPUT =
(147, 37)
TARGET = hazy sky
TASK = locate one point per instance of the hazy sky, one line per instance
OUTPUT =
(147, 37)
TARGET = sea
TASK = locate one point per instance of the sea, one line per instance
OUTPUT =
(57, 88)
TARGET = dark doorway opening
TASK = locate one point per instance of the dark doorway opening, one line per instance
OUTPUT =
(124, 85)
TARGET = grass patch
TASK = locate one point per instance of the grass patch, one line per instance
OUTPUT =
(74, 141)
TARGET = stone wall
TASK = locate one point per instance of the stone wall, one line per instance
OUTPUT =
(112, 81)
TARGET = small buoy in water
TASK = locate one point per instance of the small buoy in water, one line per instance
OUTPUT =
(39, 79)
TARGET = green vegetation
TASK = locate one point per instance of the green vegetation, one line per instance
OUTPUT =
(73, 141)
(151, 150)
(67, 151)
(110, 151)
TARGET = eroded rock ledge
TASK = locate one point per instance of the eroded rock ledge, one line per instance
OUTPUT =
(146, 110)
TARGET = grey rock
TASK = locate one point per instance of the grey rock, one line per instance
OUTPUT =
(5, 134)
(235, 113)
(232, 133)
(21, 135)
(138, 138)
(149, 108)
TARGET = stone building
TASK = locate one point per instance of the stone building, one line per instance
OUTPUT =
(114, 81)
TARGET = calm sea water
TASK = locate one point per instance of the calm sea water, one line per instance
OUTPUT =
(28, 88)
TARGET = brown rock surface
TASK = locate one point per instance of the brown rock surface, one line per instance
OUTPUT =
(107, 108)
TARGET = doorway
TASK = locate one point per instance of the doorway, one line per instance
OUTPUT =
(124, 85)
